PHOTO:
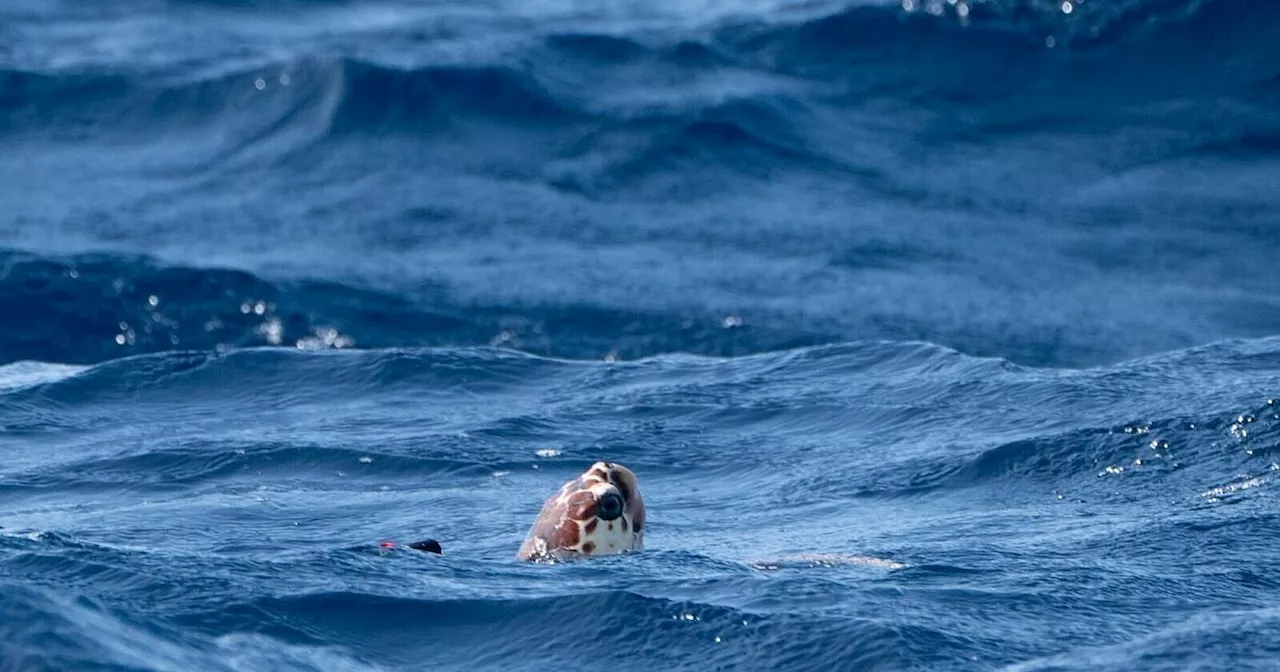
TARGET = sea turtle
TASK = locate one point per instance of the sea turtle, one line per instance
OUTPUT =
(601, 512)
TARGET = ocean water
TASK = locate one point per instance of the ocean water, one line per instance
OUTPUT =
(986, 291)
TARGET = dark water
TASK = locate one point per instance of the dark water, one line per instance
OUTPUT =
(988, 289)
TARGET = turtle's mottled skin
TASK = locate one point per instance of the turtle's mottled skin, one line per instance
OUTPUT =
(600, 512)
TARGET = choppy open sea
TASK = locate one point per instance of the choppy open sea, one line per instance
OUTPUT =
(987, 289)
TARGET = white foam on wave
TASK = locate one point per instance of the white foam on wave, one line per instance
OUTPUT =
(18, 375)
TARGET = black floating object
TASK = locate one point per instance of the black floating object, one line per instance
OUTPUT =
(428, 545)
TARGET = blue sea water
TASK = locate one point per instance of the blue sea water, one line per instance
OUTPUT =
(986, 290)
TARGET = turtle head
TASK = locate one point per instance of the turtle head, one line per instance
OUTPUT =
(600, 512)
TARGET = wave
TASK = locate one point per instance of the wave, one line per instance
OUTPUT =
(352, 94)
(1097, 461)
(268, 475)
(754, 91)
(1197, 418)
(94, 307)
(1135, 26)
(352, 629)
(659, 631)
(432, 98)
(1210, 636)
(909, 369)
(47, 631)
(322, 630)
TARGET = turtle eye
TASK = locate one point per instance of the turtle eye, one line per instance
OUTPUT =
(609, 506)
